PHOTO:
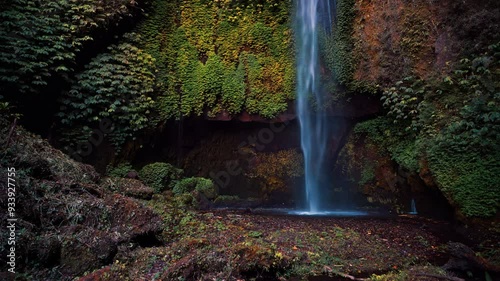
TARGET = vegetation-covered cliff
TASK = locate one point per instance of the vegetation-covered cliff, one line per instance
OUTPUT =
(189, 104)
(437, 67)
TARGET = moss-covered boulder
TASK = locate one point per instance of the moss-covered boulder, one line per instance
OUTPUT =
(69, 220)
(202, 185)
(160, 176)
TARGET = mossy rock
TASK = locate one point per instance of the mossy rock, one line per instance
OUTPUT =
(160, 176)
(120, 171)
(202, 185)
(185, 200)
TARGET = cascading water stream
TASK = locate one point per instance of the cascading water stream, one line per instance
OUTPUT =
(313, 123)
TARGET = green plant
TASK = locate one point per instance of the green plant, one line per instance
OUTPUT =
(254, 234)
(220, 56)
(117, 85)
(337, 47)
(160, 176)
(453, 124)
(403, 101)
(367, 174)
(185, 186)
(202, 185)
(415, 32)
(206, 187)
(119, 170)
(41, 39)
(464, 154)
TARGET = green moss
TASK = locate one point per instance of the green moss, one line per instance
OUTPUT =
(202, 185)
(185, 185)
(336, 48)
(367, 174)
(405, 153)
(208, 50)
(471, 180)
(119, 170)
(160, 176)
(392, 140)
(452, 123)
(206, 187)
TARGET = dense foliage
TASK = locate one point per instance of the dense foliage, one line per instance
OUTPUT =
(340, 55)
(337, 46)
(202, 185)
(40, 39)
(160, 176)
(221, 56)
(117, 85)
(120, 170)
(454, 124)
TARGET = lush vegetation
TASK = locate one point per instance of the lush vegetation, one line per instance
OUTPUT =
(337, 46)
(123, 93)
(119, 170)
(190, 58)
(202, 185)
(221, 56)
(453, 123)
(340, 56)
(160, 176)
(39, 40)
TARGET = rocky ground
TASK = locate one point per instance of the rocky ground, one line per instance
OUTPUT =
(237, 245)
(74, 224)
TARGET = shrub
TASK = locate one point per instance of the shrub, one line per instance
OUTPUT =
(118, 85)
(206, 187)
(184, 186)
(160, 176)
(120, 170)
(202, 185)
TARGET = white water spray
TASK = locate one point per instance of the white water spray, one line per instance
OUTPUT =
(313, 123)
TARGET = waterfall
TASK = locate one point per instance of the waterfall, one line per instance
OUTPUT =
(311, 16)
(413, 208)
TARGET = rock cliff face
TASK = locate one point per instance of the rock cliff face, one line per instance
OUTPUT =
(398, 38)
(425, 53)
(226, 70)
(419, 55)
